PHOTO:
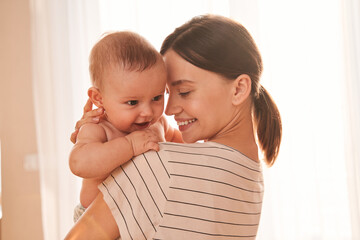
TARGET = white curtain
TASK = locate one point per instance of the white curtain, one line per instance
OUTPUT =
(312, 192)
(59, 69)
(351, 18)
(306, 192)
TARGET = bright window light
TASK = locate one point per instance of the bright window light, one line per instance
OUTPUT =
(303, 58)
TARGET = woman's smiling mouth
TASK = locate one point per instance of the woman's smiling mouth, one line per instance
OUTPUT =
(185, 124)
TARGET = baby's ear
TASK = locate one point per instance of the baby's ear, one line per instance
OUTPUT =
(241, 88)
(95, 96)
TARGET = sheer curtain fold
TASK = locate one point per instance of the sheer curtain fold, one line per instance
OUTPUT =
(58, 80)
(351, 19)
(45, 129)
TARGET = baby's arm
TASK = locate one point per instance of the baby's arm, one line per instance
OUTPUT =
(171, 134)
(93, 156)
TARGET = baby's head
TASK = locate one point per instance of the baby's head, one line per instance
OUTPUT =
(128, 77)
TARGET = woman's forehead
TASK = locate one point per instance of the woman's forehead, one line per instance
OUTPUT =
(180, 71)
(180, 82)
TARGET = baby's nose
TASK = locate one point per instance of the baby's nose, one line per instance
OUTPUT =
(147, 111)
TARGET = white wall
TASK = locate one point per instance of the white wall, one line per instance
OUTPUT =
(20, 188)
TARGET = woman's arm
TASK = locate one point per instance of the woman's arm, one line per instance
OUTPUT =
(96, 223)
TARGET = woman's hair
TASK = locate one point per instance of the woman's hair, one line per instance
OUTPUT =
(125, 49)
(221, 45)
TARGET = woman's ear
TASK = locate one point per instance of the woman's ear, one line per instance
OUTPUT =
(241, 89)
(95, 96)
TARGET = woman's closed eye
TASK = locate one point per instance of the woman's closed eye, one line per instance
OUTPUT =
(184, 93)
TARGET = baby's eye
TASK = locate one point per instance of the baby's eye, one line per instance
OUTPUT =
(132, 102)
(157, 98)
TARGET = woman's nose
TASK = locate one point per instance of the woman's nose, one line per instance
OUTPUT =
(172, 107)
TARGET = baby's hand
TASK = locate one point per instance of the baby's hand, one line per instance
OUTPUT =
(159, 129)
(143, 141)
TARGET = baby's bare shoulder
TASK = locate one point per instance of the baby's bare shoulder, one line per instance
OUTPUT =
(111, 131)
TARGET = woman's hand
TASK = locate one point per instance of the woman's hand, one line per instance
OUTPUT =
(89, 116)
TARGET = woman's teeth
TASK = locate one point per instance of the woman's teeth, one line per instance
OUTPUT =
(186, 122)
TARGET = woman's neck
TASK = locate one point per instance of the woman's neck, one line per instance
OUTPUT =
(239, 134)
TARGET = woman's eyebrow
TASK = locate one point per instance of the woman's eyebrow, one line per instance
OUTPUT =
(179, 82)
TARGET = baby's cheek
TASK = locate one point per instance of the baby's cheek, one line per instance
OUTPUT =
(159, 110)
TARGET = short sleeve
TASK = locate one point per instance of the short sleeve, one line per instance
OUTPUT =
(136, 195)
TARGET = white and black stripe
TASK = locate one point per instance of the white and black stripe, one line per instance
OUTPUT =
(187, 191)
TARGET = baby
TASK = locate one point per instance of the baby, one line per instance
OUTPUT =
(128, 82)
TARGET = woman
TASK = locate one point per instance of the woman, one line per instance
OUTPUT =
(209, 190)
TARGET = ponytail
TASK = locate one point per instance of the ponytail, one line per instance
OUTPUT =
(268, 125)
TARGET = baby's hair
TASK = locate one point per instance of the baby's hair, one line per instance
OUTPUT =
(223, 46)
(125, 49)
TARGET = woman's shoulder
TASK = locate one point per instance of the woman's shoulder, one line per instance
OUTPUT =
(198, 146)
(209, 149)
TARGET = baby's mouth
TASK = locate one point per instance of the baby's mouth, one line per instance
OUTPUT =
(142, 125)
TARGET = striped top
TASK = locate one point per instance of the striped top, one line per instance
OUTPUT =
(186, 191)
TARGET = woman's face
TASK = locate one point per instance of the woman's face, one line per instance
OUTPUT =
(200, 100)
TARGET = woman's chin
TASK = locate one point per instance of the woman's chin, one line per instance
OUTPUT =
(189, 139)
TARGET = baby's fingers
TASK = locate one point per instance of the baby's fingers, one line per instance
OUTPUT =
(74, 135)
(153, 146)
(156, 135)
